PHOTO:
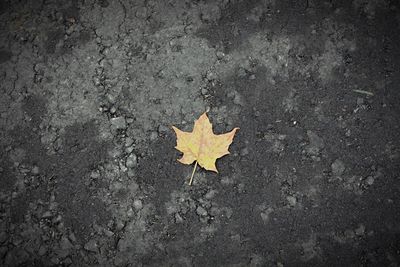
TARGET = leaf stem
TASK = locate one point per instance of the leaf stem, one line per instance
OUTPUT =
(191, 177)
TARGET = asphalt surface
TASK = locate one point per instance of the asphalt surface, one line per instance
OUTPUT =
(88, 170)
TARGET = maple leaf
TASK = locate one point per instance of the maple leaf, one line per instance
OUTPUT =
(202, 145)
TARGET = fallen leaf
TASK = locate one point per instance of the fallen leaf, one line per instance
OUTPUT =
(202, 146)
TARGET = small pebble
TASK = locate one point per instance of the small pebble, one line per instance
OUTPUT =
(42, 251)
(292, 200)
(91, 246)
(178, 218)
(129, 150)
(238, 100)
(338, 167)
(370, 180)
(119, 225)
(153, 136)
(35, 170)
(360, 230)
(47, 214)
(211, 194)
(94, 174)
(110, 98)
(210, 76)
(244, 152)
(201, 211)
(118, 123)
(108, 233)
(131, 161)
(349, 234)
(72, 237)
(138, 204)
(65, 244)
(131, 173)
(220, 55)
(162, 129)
(128, 141)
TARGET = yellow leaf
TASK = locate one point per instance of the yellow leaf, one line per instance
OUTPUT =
(202, 145)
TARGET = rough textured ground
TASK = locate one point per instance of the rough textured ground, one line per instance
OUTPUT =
(88, 170)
